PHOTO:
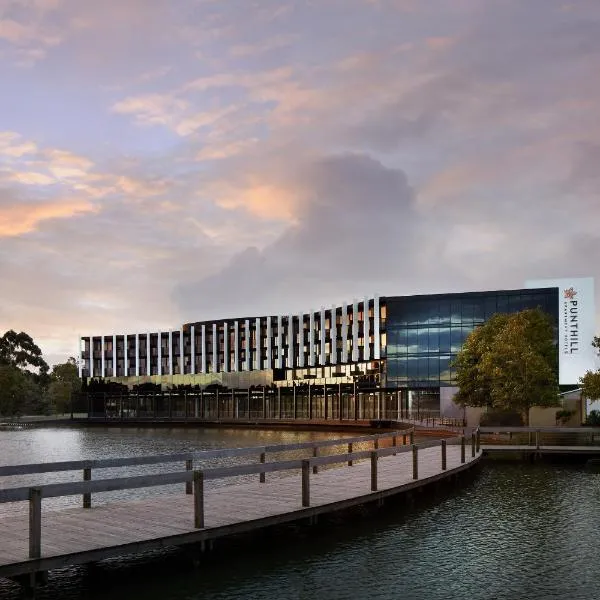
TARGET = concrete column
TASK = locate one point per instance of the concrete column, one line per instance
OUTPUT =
(290, 361)
(248, 361)
(269, 343)
(279, 362)
(366, 329)
(137, 354)
(322, 360)
(181, 355)
(376, 328)
(148, 356)
(311, 339)
(258, 344)
(236, 346)
(301, 362)
(355, 329)
(125, 357)
(102, 365)
(334, 336)
(193, 350)
(114, 355)
(203, 344)
(159, 346)
(344, 332)
(226, 347)
(215, 346)
(170, 353)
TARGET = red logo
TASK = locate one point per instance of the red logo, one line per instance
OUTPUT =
(570, 293)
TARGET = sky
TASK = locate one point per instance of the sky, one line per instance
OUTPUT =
(169, 161)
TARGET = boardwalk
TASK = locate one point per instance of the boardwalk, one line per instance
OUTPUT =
(79, 535)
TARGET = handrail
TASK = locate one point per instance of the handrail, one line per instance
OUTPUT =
(105, 463)
(194, 480)
(492, 429)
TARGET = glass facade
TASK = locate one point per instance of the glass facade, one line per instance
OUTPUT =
(424, 333)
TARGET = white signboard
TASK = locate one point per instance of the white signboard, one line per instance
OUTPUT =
(576, 326)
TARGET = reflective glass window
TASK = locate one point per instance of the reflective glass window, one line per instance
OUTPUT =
(434, 312)
(490, 307)
(423, 368)
(444, 367)
(502, 304)
(402, 373)
(444, 311)
(412, 367)
(412, 340)
(444, 339)
(467, 311)
(514, 303)
(455, 311)
(434, 339)
(423, 340)
(434, 368)
(478, 310)
(456, 339)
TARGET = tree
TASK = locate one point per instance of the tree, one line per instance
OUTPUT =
(64, 383)
(19, 394)
(590, 382)
(509, 363)
(20, 351)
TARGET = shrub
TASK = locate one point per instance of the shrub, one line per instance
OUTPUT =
(564, 415)
(593, 418)
(501, 418)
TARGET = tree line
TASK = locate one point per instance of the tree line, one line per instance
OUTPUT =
(27, 384)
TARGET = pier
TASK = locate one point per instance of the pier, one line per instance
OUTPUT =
(36, 540)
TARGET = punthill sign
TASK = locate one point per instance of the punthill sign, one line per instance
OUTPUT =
(576, 326)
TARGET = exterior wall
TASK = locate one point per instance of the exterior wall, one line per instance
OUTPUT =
(424, 333)
(308, 346)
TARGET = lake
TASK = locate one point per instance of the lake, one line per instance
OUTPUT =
(515, 531)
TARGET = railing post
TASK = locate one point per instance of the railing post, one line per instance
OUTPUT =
(87, 497)
(443, 455)
(404, 439)
(35, 522)
(199, 499)
(537, 439)
(478, 440)
(374, 470)
(462, 449)
(315, 454)
(263, 458)
(473, 442)
(376, 443)
(306, 483)
(412, 437)
(394, 443)
(415, 454)
(189, 465)
(350, 452)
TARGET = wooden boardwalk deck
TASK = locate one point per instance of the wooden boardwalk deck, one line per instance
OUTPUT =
(527, 449)
(79, 535)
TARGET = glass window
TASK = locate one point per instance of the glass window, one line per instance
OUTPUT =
(502, 304)
(444, 311)
(444, 367)
(402, 370)
(455, 311)
(478, 310)
(423, 340)
(423, 368)
(444, 339)
(414, 312)
(514, 303)
(434, 312)
(434, 339)
(467, 311)
(412, 340)
(434, 368)
(456, 339)
(412, 368)
(490, 307)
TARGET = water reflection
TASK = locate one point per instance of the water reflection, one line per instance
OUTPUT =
(517, 531)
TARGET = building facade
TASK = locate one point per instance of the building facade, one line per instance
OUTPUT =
(397, 342)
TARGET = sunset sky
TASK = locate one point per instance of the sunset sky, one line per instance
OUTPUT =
(177, 160)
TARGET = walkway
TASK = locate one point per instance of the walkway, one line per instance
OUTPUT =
(80, 535)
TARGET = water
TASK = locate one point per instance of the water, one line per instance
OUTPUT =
(516, 531)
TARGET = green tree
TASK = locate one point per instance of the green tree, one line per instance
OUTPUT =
(509, 363)
(19, 350)
(19, 393)
(64, 383)
(590, 382)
